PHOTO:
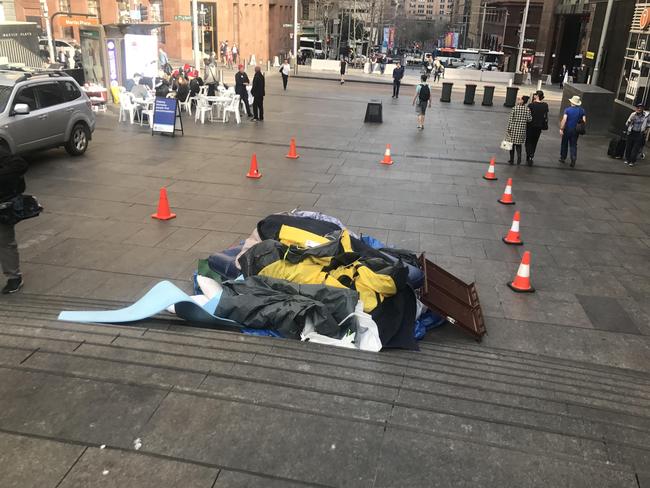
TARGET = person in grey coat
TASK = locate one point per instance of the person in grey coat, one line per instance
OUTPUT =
(516, 129)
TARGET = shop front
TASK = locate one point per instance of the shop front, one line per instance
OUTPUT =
(634, 83)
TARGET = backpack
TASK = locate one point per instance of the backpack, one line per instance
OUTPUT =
(425, 93)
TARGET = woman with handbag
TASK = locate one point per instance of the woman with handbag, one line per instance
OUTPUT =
(12, 184)
(516, 129)
(572, 125)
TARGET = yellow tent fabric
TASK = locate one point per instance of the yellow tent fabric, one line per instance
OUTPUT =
(372, 287)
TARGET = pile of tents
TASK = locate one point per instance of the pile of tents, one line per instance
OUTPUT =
(304, 275)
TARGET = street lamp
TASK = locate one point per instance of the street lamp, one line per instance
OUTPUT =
(522, 37)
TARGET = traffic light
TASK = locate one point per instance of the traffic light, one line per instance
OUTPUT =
(144, 13)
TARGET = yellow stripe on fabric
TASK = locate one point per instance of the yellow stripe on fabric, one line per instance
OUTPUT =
(293, 236)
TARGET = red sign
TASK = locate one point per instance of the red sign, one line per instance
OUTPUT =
(645, 18)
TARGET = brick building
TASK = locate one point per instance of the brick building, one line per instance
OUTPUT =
(255, 25)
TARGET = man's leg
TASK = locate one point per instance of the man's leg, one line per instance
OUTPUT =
(9, 258)
(637, 144)
(394, 87)
(573, 144)
(564, 146)
(284, 80)
(628, 146)
(248, 107)
(261, 108)
(398, 85)
(255, 111)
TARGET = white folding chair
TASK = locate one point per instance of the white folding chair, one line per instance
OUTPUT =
(232, 107)
(202, 107)
(148, 111)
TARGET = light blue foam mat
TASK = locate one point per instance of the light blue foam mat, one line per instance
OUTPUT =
(156, 300)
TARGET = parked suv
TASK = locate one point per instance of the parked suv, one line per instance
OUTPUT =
(43, 110)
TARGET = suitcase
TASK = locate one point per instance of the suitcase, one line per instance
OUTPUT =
(616, 147)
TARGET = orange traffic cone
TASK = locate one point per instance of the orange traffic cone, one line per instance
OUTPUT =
(164, 212)
(387, 159)
(253, 172)
(506, 198)
(513, 236)
(491, 174)
(521, 284)
(293, 154)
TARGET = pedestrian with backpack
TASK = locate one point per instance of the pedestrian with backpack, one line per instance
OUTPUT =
(423, 98)
(12, 185)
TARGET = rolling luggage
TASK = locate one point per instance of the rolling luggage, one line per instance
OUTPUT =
(616, 147)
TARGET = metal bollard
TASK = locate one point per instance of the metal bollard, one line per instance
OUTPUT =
(511, 96)
(539, 85)
(446, 91)
(268, 65)
(488, 95)
(470, 91)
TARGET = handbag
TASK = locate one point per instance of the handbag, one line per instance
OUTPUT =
(19, 208)
(506, 145)
(581, 128)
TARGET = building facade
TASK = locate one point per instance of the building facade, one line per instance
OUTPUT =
(428, 9)
(258, 27)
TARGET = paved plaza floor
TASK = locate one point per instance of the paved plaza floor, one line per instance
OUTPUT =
(556, 394)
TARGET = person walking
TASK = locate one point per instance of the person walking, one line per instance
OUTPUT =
(12, 184)
(235, 51)
(343, 66)
(229, 57)
(258, 94)
(437, 70)
(539, 112)
(570, 130)
(516, 129)
(636, 127)
(285, 69)
(398, 74)
(423, 98)
(211, 76)
(241, 82)
(564, 76)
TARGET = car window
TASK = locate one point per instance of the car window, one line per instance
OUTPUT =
(50, 94)
(70, 90)
(28, 96)
(5, 93)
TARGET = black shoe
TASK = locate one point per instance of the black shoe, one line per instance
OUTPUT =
(518, 162)
(563, 161)
(510, 161)
(12, 286)
(573, 163)
(631, 164)
(255, 119)
(529, 161)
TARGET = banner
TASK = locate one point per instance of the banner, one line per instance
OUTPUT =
(391, 38)
(164, 115)
(384, 44)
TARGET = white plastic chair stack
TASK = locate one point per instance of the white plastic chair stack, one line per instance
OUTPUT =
(233, 108)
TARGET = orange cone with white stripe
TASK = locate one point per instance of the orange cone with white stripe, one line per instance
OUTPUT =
(387, 159)
(521, 283)
(506, 198)
(491, 173)
(513, 236)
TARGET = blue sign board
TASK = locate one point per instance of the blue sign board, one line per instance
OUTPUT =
(164, 115)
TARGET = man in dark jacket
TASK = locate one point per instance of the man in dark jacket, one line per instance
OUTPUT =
(398, 74)
(241, 82)
(258, 94)
(539, 112)
(12, 184)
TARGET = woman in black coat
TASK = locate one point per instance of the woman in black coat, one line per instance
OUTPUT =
(257, 90)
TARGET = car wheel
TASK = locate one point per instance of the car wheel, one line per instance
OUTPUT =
(78, 142)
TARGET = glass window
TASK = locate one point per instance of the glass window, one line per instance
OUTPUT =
(50, 94)
(93, 7)
(70, 90)
(26, 95)
(5, 93)
(64, 5)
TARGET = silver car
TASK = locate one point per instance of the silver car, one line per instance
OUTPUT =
(43, 110)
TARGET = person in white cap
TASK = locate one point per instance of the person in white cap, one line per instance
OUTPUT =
(571, 126)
